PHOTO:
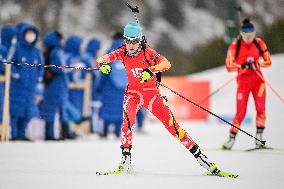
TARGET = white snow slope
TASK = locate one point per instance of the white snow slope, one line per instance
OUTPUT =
(160, 159)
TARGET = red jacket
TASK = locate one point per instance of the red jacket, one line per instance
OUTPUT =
(135, 65)
(247, 52)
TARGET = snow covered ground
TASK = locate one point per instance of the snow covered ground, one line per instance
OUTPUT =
(160, 159)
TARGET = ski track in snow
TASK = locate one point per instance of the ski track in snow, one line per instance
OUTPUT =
(160, 159)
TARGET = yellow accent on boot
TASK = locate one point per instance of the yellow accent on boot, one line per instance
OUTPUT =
(213, 166)
(181, 132)
(119, 168)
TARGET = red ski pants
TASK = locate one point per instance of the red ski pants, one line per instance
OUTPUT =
(150, 98)
(250, 83)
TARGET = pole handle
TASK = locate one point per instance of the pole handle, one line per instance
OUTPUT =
(133, 9)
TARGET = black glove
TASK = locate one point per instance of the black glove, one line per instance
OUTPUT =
(250, 65)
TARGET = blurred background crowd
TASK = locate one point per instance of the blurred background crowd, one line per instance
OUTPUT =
(194, 35)
(47, 92)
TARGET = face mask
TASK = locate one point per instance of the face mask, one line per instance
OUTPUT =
(30, 37)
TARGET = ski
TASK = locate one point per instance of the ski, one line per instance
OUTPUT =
(117, 172)
(260, 148)
(120, 172)
(223, 150)
(222, 174)
(246, 150)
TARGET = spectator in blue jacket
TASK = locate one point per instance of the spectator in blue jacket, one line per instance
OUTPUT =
(24, 80)
(89, 58)
(8, 40)
(3, 54)
(72, 49)
(7, 49)
(55, 82)
(111, 89)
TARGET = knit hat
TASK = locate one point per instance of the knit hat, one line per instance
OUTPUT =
(247, 26)
(247, 29)
(132, 30)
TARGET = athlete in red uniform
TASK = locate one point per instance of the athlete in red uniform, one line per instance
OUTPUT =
(142, 65)
(243, 56)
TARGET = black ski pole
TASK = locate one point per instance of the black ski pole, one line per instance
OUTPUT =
(217, 90)
(239, 10)
(208, 111)
(47, 66)
(134, 10)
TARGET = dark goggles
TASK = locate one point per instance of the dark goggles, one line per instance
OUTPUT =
(133, 41)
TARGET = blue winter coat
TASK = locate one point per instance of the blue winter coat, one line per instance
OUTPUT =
(89, 58)
(72, 48)
(7, 34)
(24, 79)
(56, 91)
(90, 55)
(3, 53)
(112, 89)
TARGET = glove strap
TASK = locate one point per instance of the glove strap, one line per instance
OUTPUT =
(149, 71)
(245, 66)
(249, 65)
(103, 63)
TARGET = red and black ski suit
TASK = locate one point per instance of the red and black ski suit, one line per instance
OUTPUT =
(139, 95)
(249, 81)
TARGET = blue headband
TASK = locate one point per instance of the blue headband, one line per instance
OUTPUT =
(248, 29)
